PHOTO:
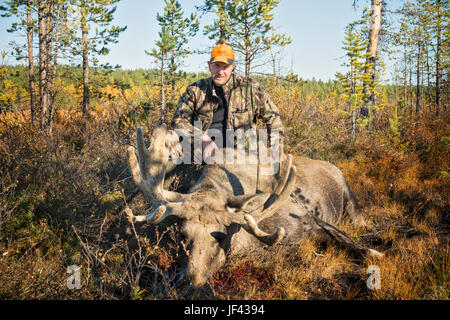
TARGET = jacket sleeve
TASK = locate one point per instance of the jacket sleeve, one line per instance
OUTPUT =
(268, 112)
(184, 115)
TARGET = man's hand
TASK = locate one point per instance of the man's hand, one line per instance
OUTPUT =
(174, 145)
(208, 146)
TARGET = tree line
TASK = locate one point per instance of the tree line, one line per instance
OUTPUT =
(416, 36)
(68, 28)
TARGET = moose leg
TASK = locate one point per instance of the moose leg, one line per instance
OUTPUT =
(329, 232)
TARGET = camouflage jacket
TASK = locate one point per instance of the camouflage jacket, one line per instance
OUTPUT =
(246, 101)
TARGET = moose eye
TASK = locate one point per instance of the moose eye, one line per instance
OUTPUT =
(219, 236)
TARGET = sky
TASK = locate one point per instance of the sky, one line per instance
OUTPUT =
(316, 27)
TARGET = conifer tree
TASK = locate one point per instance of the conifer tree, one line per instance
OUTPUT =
(93, 36)
(403, 42)
(24, 11)
(43, 18)
(439, 12)
(219, 30)
(180, 29)
(6, 86)
(374, 27)
(422, 36)
(45, 27)
(163, 47)
(251, 29)
(247, 27)
(353, 81)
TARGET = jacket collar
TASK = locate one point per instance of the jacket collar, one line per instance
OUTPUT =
(227, 87)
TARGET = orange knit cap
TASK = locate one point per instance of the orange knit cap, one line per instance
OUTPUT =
(222, 53)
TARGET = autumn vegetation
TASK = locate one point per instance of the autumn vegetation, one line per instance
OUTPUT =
(63, 190)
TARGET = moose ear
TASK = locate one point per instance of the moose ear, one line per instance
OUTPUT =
(246, 203)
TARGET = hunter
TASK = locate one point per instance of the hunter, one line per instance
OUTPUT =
(225, 101)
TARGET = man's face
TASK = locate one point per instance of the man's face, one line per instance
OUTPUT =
(220, 72)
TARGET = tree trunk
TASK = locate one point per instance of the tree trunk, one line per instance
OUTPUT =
(172, 75)
(222, 22)
(410, 91)
(84, 41)
(247, 45)
(353, 134)
(405, 80)
(163, 97)
(438, 59)
(52, 70)
(375, 27)
(31, 64)
(43, 57)
(50, 67)
(422, 90)
(419, 53)
(274, 68)
(428, 82)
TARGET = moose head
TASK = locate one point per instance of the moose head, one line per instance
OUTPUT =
(214, 219)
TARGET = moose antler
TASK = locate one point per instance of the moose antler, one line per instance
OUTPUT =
(282, 191)
(266, 238)
(148, 174)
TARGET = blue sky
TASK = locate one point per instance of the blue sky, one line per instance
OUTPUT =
(316, 28)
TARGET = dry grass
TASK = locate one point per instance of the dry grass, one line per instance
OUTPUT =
(80, 178)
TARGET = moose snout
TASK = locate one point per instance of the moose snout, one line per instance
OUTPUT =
(197, 277)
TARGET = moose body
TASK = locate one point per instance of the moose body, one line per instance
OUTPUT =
(229, 207)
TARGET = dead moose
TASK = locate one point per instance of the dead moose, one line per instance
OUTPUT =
(222, 209)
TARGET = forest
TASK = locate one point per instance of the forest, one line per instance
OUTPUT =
(66, 121)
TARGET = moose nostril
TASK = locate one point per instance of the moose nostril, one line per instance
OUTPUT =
(219, 236)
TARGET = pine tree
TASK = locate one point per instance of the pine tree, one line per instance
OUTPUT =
(163, 47)
(95, 17)
(248, 28)
(353, 81)
(403, 42)
(438, 23)
(43, 18)
(180, 29)
(6, 86)
(220, 29)
(24, 10)
(45, 23)
(416, 18)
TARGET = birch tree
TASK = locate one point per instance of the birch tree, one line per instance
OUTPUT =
(372, 50)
